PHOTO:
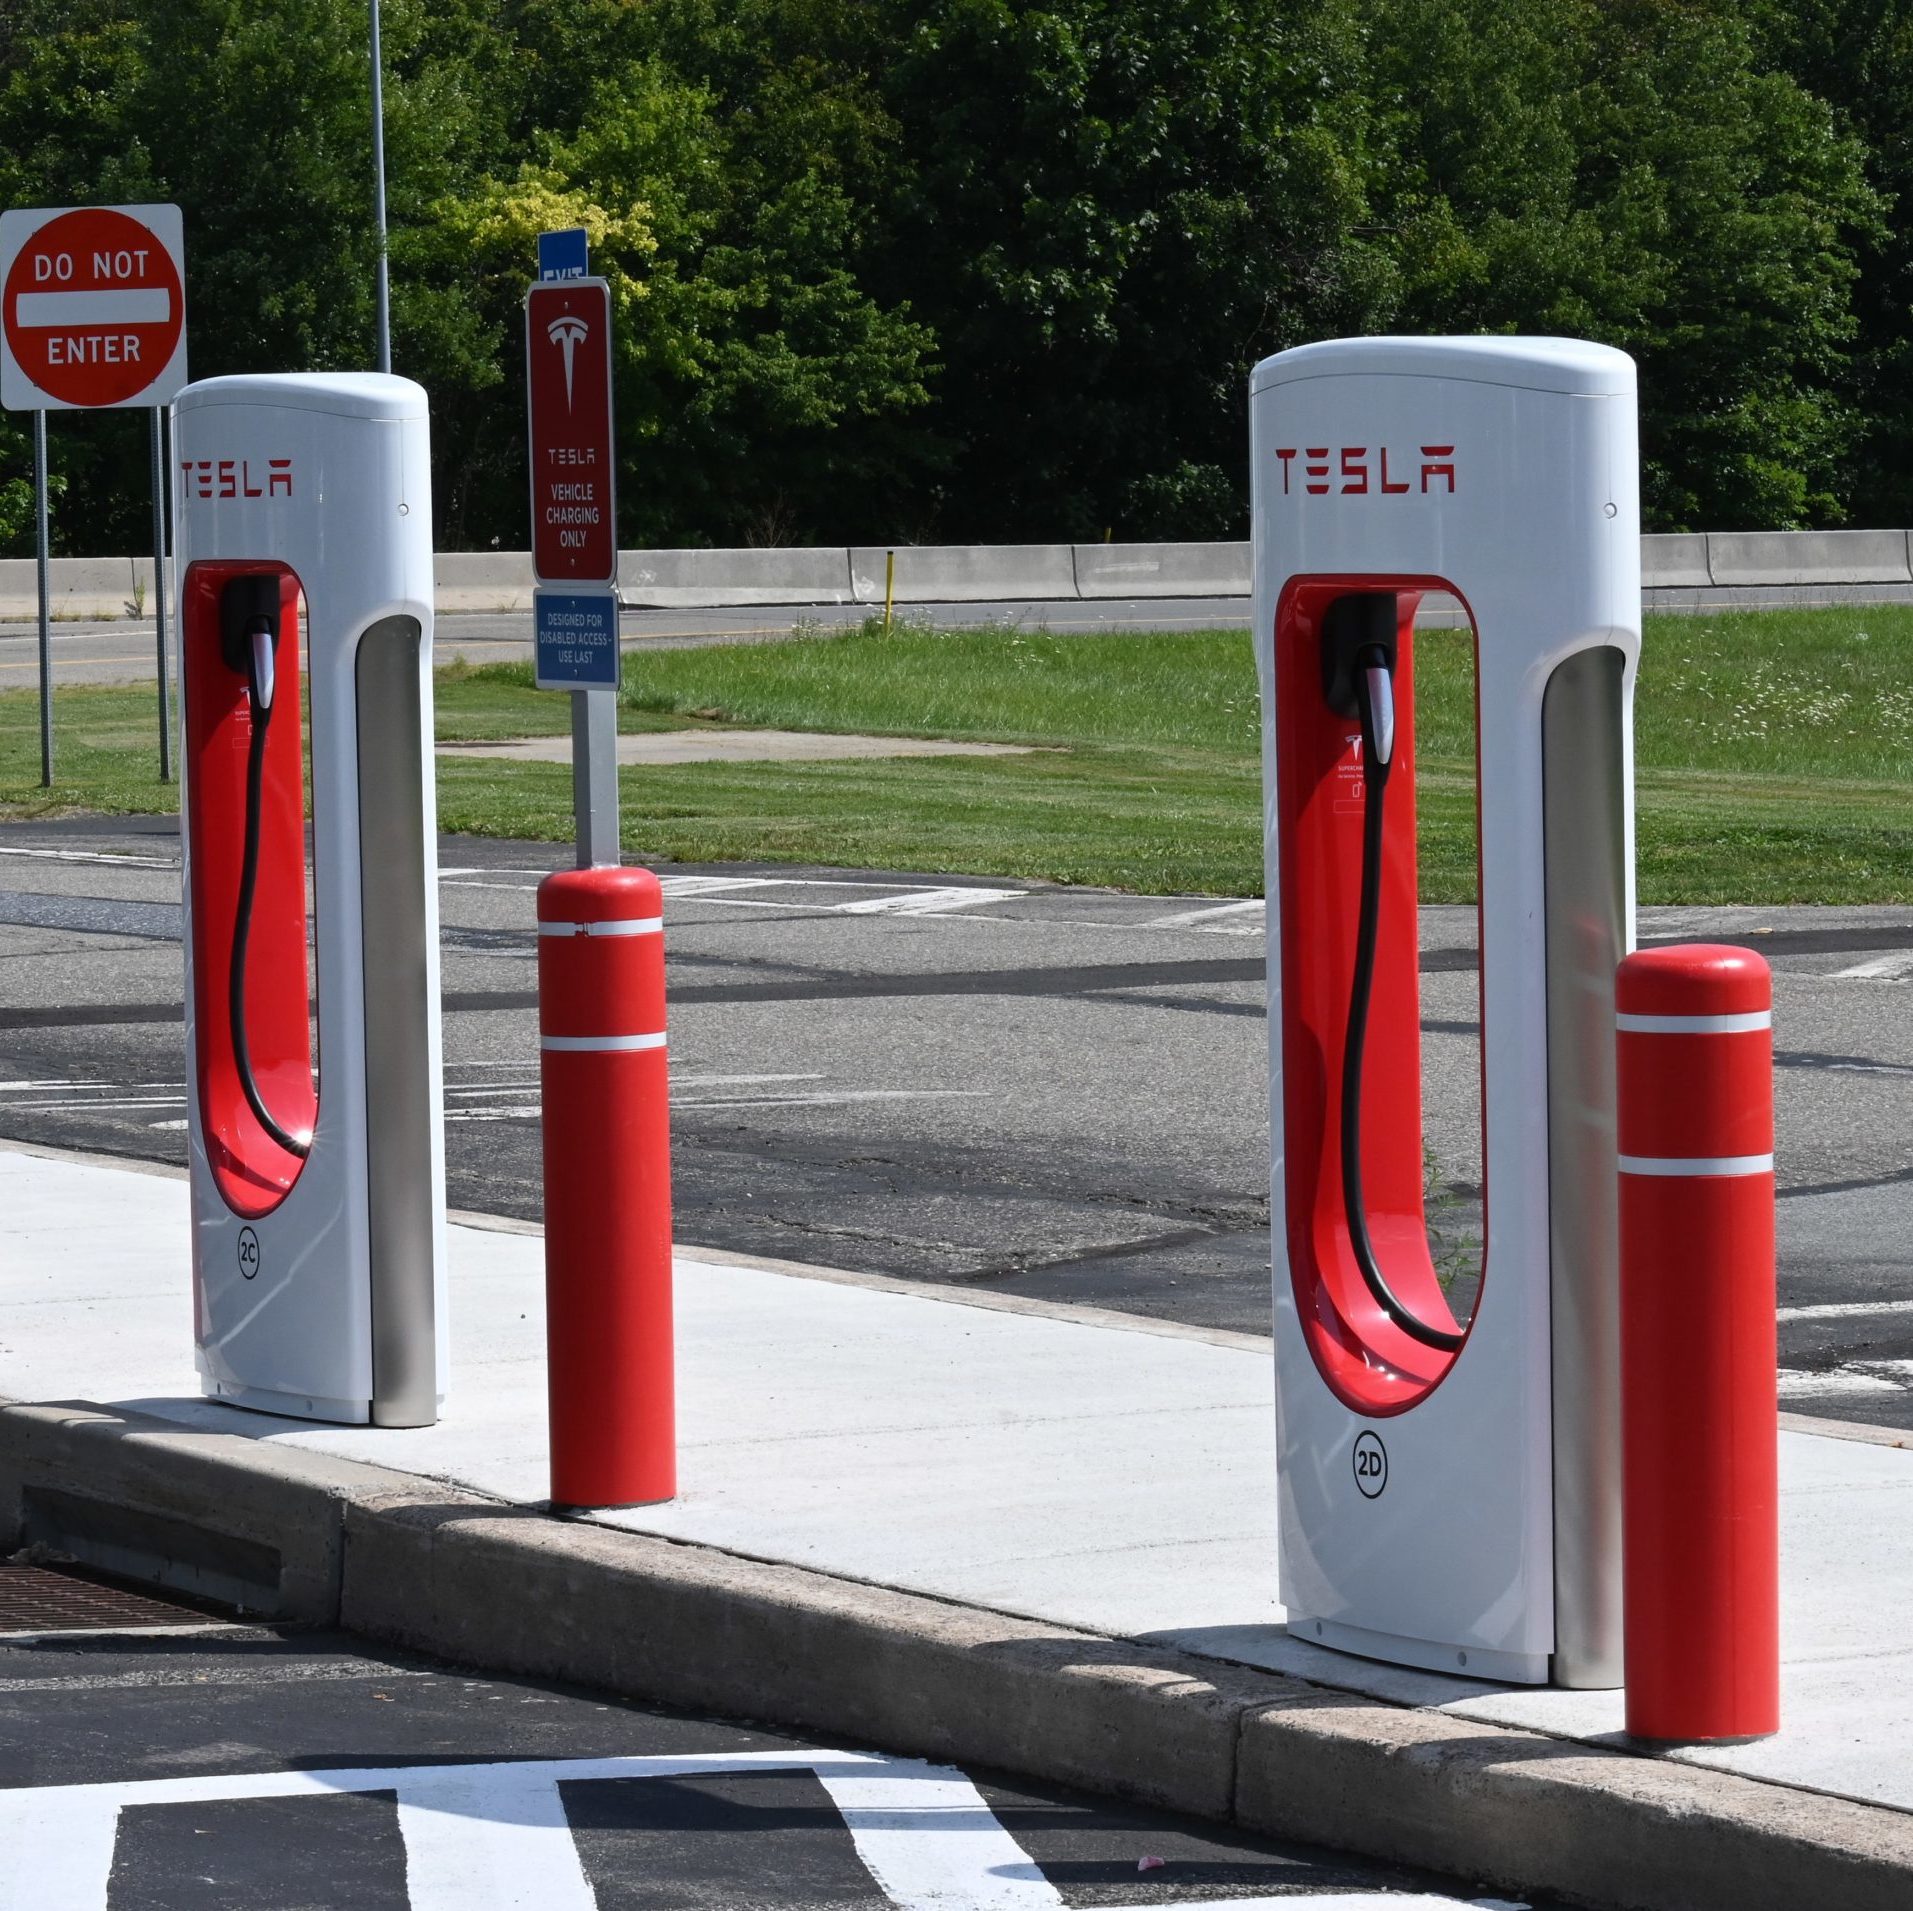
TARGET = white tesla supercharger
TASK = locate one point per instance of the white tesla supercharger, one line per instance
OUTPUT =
(317, 1152)
(1449, 1487)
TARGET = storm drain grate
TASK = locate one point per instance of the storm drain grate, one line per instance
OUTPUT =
(35, 1598)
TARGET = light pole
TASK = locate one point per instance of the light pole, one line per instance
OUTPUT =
(383, 294)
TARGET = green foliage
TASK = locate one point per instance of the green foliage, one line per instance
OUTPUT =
(981, 269)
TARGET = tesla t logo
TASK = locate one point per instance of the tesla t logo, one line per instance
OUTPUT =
(235, 478)
(1347, 470)
(567, 334)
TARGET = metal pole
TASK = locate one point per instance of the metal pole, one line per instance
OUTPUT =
(46, 635)
(594, 776)
(159, 594)
(384, 290)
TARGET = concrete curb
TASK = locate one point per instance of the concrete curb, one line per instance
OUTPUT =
(510, 1589)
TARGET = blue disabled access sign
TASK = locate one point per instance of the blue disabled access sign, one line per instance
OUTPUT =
(575, 634)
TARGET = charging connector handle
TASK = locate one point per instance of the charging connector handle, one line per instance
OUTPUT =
(258, 637)
(1355, 656)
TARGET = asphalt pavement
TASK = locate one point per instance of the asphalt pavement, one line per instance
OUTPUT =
(123, 650)
(1046, 1092)
(174, 1759)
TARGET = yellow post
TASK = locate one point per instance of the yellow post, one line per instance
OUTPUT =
(889, 587)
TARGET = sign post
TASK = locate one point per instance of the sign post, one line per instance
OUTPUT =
(93, 318)
(574, 538)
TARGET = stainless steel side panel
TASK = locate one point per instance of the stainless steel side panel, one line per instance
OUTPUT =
(395, 864)
(1584, 796)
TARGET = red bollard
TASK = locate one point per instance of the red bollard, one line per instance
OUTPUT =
(607, 1188)
(1698, 1344)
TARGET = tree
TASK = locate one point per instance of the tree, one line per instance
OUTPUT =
(1858, 56)
(1627, 172)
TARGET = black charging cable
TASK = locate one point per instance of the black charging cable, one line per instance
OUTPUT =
(1372, 681)
(259, 646)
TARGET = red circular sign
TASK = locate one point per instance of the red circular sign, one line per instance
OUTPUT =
(93, 308)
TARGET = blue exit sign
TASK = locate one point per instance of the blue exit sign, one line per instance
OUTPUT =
(564, 255)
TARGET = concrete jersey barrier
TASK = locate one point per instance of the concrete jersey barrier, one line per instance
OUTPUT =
(501, 581)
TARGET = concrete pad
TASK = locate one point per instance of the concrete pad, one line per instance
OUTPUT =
(1097, 1476)
(965, 573)
(1164, 570)
(735, 746)
(680, 580)
(1807, 557)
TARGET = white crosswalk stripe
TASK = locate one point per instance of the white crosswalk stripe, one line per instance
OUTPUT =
(495, 1837)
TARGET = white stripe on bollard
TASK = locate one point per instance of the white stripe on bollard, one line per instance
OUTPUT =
(1694, 1024)
(1697, 1164)
(597, 1044)
(636, 926)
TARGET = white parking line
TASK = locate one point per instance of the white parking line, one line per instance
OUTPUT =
(1895, 966)
(1857, 1377)
(110, 858)
(107, 1104)
(492, 1837)
(1218, 915)
(1845, 1310)
(846, 1096)
(827, 1098)
(925, 902)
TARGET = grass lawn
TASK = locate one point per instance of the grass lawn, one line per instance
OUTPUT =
(1774, 750)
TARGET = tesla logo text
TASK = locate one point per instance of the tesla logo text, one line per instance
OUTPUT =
(1352, 470)
(235, 478)
(567, 334)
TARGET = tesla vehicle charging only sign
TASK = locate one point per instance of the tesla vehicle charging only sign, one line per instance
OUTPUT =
(92, 308)
(574, 519)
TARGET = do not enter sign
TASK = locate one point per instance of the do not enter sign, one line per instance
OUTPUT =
(92, 308)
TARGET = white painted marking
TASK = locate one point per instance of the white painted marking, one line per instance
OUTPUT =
(1844, 1310)
(737, 1081)
(1695, 1024)
(1668, 1165)
(1196, 918)
(108, 1105)
(1855, 1380)
(926, 1836)
(166, 1124)
(629, 926)
(41, 1087)
(489, 1838)
(828, 1100)
(56, 1848)
(1897, 966)
(132, 305)
(925, 902)
(110, 857)
(1354, 1901)
(720, 885)
(601, 1044)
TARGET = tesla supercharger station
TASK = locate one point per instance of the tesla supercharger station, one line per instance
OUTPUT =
(1449, 1490)
(317, 1154)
